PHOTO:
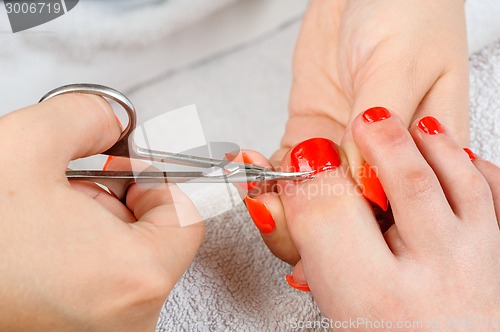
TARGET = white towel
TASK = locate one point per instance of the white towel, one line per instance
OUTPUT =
(485, 103)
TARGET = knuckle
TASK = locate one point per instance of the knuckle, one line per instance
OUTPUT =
(393, 138)
(102, 113)
(417, 182)
(477, 186)
(85, 101)
(83, 109)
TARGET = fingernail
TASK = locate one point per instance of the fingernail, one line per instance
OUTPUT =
(260, 215)
(301, 287)
(471, 154)
(372, 188)
(119, 123)
(248, 185)
(108, 161)
(430, 126)
(376, 114)
(231, 156)
(315, 154)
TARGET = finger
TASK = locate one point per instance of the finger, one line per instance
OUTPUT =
(491, 173)
(412, 86)
(395, 242)
(448, 101)
(61, 129)
(167, 220)
(421, 211)
(252, 158)
(268, 215)
(363, 173)
(330, 222)
(402, 78)
(301, 127)
(265, 209)
(107, 200)
(465, 188)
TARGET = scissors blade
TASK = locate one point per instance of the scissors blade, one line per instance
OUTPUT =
(242, 173)
(141, 177)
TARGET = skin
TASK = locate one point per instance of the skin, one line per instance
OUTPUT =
(344, 64)
(441, 258)
(407, 56)
(73, 257)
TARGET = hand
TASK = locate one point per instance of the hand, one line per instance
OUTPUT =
(439, 261)
(74, 260)
(408, 56)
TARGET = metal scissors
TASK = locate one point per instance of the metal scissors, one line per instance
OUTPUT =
(229, 172)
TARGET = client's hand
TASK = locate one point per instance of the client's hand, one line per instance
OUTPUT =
(74, 261)
(409, 56)
(440, 260)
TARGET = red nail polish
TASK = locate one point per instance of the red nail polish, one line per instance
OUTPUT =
(248, 185)
(233, 156)
(471, 154)
(108, 161)
(230, 156)
(430, 125)
(260, 215)
(372, 188)
(293, 284)
(376, 114)
(315, 154)
(119, 122)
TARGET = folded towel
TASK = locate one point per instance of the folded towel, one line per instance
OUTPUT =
(485, 103)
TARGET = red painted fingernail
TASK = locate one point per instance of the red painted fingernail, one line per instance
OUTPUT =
(471, 154)
(376, 114)
(119, 122)
(260, 215)
(301, 287)
(430, 125)
(248, 185)
(315, 154)
(372, 188)
(231, 156)
(108, 161)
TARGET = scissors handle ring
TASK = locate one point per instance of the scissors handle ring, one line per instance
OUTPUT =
(121, 147)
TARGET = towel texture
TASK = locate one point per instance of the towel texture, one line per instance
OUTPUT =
(485, 103)
(235, 284)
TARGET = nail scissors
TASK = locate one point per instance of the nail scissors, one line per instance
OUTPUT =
(214, 170)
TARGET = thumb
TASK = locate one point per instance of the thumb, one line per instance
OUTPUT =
(56, 131)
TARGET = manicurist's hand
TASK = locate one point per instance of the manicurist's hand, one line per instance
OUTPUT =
(73, 257)
(438, 264)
